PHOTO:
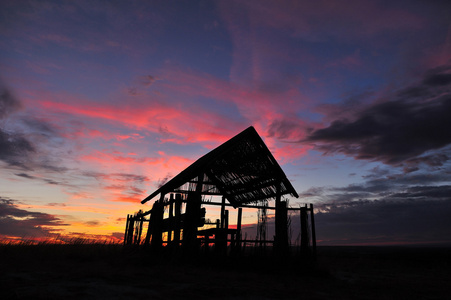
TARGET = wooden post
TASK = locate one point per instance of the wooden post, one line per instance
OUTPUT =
(222, 235)
(177, 227)
(207, 241)
(277, 224)
(281, 238)
(157, 223)
(190, 222)
(238, 230)
(141, 221)
(192, 216)
(312, 222)
(304, 232)
(226, 219)
(223, 212)
(126, 230)
(170, 217)
(131, 229)
(149, 230)
(136, 229)
(226, 235)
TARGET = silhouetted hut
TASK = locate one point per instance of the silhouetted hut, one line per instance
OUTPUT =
(243, 171)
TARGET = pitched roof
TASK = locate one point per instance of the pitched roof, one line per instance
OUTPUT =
(242, 169)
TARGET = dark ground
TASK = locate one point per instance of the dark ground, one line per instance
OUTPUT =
(111, 272)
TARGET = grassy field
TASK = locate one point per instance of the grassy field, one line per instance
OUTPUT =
(102, 271)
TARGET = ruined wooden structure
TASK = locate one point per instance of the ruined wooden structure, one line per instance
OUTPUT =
(244, 173)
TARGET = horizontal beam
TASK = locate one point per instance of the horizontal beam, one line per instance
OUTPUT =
(206, 193)
(243, 205)
(252, 206)
(228, 204)
(249, 187)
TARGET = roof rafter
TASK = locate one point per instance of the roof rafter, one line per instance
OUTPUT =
(242, 169)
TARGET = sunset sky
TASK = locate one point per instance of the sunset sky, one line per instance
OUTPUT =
(102, 101)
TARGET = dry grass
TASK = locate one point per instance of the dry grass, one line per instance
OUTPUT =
(96, 271)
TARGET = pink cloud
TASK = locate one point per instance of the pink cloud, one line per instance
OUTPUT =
(179, 123)
(106, 157)
(258, 106)
(131, 116)
(125, 198)
(159, 165)
(176, 122)
(173, 120)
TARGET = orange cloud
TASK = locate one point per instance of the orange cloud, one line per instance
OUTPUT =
(123, 198)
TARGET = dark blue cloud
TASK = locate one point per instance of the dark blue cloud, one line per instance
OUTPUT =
(20, 144)
(417, 217)
(398, 131)
(15, 148)
(16, 222)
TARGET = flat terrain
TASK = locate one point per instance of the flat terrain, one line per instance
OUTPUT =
(112, 272)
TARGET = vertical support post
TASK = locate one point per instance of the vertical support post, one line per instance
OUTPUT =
(149, 230)
(207, 242)
(136, 229)
(226, 219)
(126, 230)
(221, 232)
(304, 232)
(141, 221)
(131, 229)
(238, 230)
(192, 217)
(190, 223)
(312, 224)
(261, 227)
(170, 218)
(223, 212)
(157, 223)
(281, 238)
(226, 229)
(177, 227)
